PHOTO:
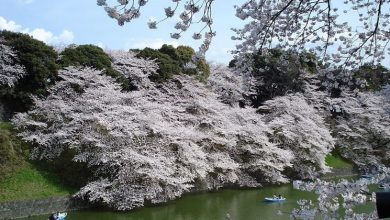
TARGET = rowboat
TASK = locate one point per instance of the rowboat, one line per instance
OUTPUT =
(62, 216)
(58, 216)
(366, 176)
(276, 199)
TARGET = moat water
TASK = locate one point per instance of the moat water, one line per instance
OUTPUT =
(238, 204)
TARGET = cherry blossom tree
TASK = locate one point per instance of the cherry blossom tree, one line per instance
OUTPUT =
(346, 32)
(297, 125)
(363, 132)
(337, 199)
(153, 144)
(162, 140)
(10, 70)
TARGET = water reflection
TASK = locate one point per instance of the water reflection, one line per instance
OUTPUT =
(240, 204)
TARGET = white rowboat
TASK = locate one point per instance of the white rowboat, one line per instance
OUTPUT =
(270, 199)
(59, 216)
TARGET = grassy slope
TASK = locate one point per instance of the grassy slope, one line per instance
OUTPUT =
(29, 182)
(25, 180)
(337, 162)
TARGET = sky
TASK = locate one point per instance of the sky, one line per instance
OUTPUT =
(62, 22)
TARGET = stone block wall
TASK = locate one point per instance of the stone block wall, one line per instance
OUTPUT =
(20, 209)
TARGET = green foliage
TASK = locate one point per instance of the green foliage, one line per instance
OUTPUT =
(40, 63)
(92, 56)
(375, 76)
(279, 72)
(71, 173)
(367, 77)
(232, 63)
(167, 66)
(310, 62)
(85, 55)
(170, 51)
(172, 61)
(203, 70)
(185, 54)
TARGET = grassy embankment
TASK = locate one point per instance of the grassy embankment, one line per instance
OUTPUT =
(20, 178)
(337, 162)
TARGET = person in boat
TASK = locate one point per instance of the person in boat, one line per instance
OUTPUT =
(54, 216)
(279, 196)
(274, 196)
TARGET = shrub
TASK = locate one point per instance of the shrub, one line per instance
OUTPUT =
(85, 55)
(172, 61)
(232, 63)
(88, 55)
(40, 63)
(185, 54)
(170, 51)
(92, 56)
(167, 66)
(279, 72)
(375, 76)
(203, 70)
(366, 78)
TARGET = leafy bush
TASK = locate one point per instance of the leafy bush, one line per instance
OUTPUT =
(366, 78)
(167, 66)
(170, 51)
(40, 63)
(279, 72)
(374, 76)
(185, 54)
(88, 55)
(92, 56)
(172, 61)
(202, 69)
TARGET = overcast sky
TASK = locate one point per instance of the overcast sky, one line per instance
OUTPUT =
(61, 22)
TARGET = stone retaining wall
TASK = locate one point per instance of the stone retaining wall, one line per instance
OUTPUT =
(20, 209)
(344, 172)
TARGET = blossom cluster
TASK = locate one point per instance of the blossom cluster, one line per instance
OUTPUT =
(10, 70)
(363, 133)
(126, 11)
(334, 196)
(348, 35)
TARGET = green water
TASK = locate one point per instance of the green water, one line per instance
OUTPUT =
(240, 204)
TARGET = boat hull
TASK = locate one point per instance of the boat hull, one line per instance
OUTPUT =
(274, 200)
(60, 216)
